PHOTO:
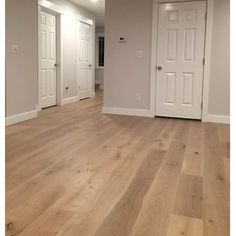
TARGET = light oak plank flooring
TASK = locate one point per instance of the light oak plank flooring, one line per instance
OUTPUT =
(74, 171)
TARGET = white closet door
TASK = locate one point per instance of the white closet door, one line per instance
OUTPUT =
(181, 32)
(85, 60)
(47, 54)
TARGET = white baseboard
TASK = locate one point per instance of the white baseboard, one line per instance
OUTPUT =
(38, 108)
(148, 113)
(127, 112)
(216, 119)
(21, 117)
(70, 100)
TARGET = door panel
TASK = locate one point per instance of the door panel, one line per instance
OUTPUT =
(189, 44)
(187, 89)
(181, 32)
(44, 83)
(47, 56)
(172, 45)
(170, 88)
(85, 60)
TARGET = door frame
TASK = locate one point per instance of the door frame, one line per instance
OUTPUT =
(57, 11)
(207, 55)
(91, 23)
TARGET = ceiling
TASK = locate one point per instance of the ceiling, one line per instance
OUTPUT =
(97, 8)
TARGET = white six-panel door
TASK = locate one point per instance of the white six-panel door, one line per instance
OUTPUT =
(47, 55)
(181, 32)
(85, 60)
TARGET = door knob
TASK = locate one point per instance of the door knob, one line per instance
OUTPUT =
(159, 68)
(90, 65)
(56, 64)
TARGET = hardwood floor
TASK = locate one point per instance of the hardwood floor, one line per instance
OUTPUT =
(74, 171)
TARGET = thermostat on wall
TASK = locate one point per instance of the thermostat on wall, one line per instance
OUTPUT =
(122, 40)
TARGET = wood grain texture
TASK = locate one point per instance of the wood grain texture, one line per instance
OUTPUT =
(123, 216)
(189, 197)
(75, 171)
(184, 226)
(224, 138)
(215, 189)
(158, 203)
(193, 159)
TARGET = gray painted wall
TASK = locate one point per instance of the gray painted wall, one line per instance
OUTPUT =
(126, 75)
(100, 29)
(219, 96)
(21, 69)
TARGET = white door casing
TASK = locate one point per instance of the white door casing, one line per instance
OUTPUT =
(47, 57)
(85, 60)
(181, 34)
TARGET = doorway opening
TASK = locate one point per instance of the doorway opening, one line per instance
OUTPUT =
(100, 57)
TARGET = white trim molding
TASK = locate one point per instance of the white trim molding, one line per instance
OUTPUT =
(93, 94)
(216, 119)
(127, 112)
(70, 100)
(154, 52)
(21, 117)
(51, 6)
(85, 20)
(207, 66)
(38, 108)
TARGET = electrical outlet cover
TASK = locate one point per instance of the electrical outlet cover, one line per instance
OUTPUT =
(15, 49)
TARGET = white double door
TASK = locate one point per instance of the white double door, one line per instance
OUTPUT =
(84, 60)
(47, 57)
(181, 33)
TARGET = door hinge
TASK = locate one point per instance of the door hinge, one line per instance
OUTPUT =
(205, 16)
(204, 61)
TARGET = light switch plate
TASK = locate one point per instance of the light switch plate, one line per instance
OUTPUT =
(15, 49)
(139, 53)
